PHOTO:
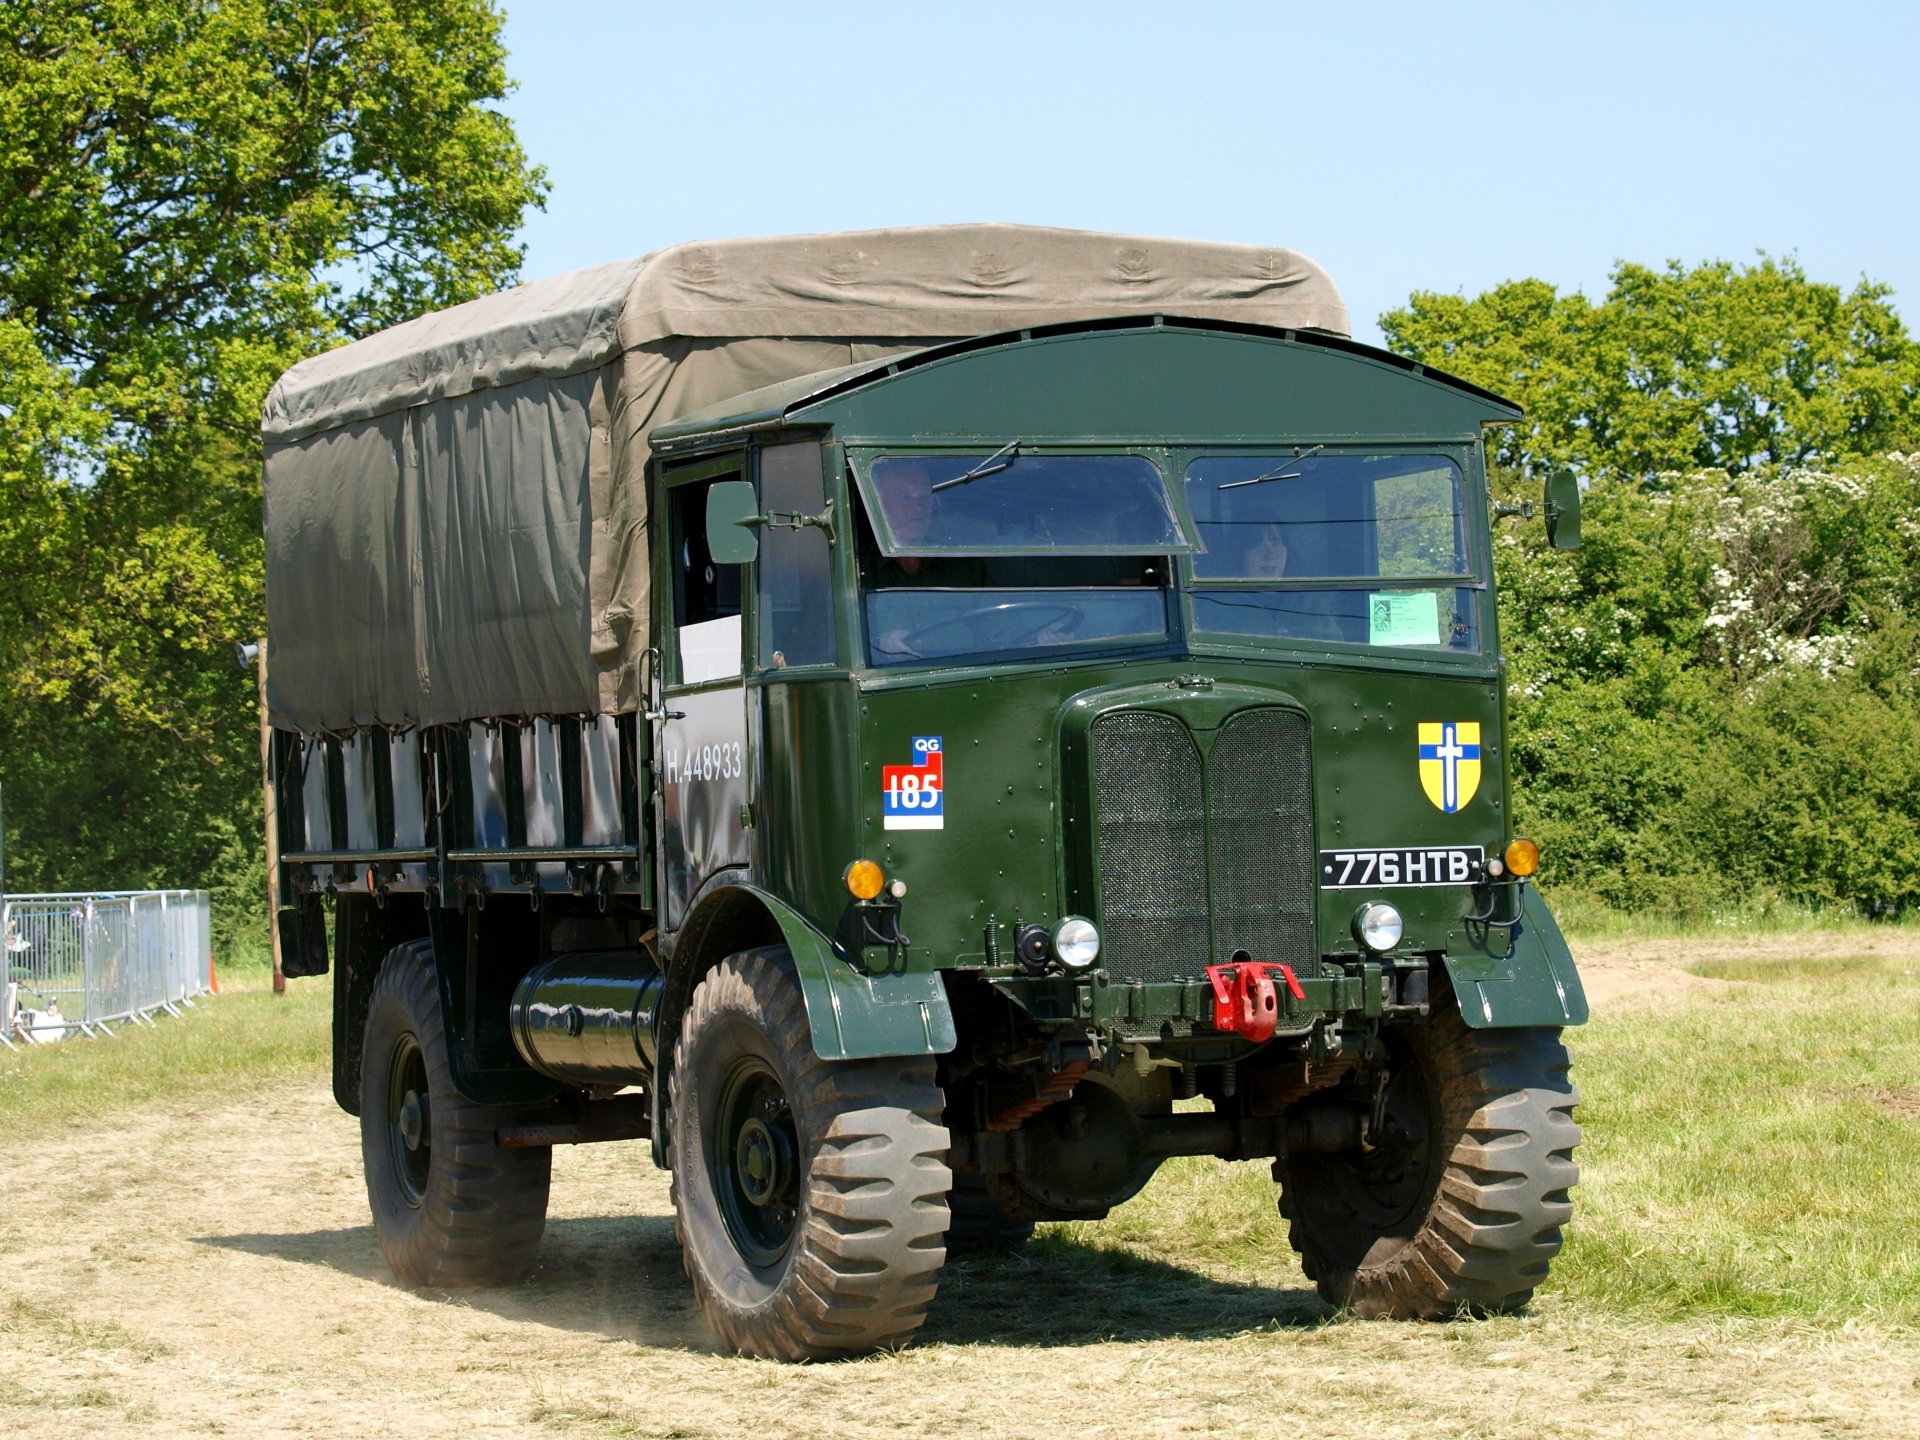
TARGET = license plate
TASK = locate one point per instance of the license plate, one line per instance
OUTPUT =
(1406, 865)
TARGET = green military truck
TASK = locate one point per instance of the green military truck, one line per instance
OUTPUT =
(921, 726)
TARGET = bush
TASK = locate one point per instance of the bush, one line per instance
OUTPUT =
(1713, 702)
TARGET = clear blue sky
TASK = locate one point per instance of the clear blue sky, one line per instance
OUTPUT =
(1405, 147)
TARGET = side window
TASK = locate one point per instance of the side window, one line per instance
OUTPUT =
(706, 596)
(796, 580)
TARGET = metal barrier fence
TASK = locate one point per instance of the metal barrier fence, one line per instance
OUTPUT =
(85, 962)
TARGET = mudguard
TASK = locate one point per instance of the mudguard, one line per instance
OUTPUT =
(857, 1016)
(1508, 978)
(853, 1015)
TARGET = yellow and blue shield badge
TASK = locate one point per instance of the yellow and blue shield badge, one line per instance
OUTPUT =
(1450, 762)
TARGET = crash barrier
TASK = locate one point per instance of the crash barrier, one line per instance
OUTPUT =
(84, 963)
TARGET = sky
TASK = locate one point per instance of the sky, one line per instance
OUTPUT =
(1403, 147)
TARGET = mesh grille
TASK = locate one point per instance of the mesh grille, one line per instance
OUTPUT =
(1153, 845)
(1151, 825)
(1260, 802)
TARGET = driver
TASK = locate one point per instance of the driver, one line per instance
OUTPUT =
(908, 501)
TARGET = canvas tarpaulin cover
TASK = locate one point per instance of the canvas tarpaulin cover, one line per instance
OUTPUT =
(456, 512)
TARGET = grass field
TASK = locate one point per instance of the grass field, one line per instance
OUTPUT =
(1745, 1255)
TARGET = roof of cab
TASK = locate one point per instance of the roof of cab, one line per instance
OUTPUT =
(782, 404)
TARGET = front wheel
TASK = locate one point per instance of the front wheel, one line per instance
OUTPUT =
(452, 1210)
(810, 1197)
(1457, 1204)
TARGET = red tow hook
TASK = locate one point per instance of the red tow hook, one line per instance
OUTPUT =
(1244, 1000)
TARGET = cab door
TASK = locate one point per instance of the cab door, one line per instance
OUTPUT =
(701, 768)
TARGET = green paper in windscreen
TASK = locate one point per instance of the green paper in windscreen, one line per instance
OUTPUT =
(1404, 618)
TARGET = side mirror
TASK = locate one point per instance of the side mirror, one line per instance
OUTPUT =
(1563, 510)
(732, 512)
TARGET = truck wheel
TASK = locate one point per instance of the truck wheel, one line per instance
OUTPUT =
(451, 1208)
(981, 1224)
(1460, 1208)
(810, 1198)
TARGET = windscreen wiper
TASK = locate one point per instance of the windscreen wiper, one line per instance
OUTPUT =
(1281, 473)
(992, 464)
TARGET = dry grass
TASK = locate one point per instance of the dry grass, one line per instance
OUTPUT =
(200, 1262)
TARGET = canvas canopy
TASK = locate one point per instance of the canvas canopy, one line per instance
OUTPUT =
(456, 511)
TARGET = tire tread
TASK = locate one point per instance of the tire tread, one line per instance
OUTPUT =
(1493, 1225)
(485, 1209)
(865, 1261)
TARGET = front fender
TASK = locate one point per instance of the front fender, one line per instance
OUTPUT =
(855, 1016)
(852, 1015)
(1533, 982)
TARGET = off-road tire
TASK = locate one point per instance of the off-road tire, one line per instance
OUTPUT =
(863, 1154)
(1478, 1230)
(458, 1212)
(981, 1225)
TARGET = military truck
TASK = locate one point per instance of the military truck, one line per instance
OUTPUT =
(920, 727)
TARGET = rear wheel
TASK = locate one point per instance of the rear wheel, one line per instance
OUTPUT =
(1457, 1206)
(451, 1208)
(810, 1197)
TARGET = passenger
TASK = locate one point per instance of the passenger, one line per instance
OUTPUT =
(1298, 614)
(1267, 555)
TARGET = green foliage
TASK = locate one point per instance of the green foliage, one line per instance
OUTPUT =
(193, 196)
(1718, 366)
(1715, 698)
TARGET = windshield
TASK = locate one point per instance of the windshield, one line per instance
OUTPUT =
(1347, 548)
(904, 626)
(981, 608)
(1006, 501)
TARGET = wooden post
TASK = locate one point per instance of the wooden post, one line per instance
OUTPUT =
(273, 826)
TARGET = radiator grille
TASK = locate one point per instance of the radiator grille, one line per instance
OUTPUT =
(1153, 845)
(1153, 813)
(1259, 800)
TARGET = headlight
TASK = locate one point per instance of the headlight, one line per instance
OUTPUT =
(1379, 926)
(1076, 944)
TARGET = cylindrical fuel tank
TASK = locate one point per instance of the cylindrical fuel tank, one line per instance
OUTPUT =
(588, 1018)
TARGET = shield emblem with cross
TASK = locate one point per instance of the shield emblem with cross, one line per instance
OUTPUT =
(1450, 762)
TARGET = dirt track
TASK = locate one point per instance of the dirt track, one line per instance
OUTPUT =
(214, 1272)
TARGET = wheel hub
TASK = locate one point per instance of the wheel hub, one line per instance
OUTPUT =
(754, 1161)
(409, 1120)
(765, 1161)
(413, 1119)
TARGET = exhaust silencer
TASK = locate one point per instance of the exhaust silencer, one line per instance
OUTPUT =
(588, 1018)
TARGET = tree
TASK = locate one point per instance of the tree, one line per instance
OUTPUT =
(194, 194)
(1717, 367)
